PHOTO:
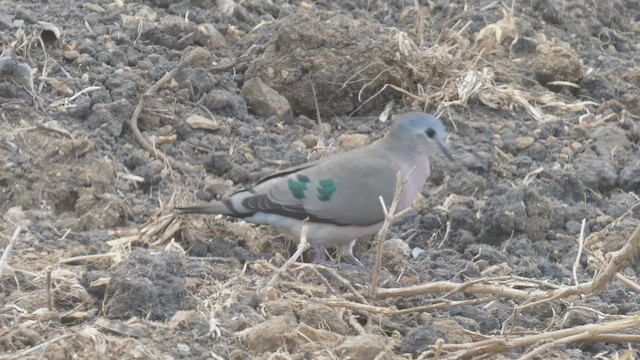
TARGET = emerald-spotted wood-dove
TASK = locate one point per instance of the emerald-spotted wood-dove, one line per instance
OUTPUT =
(339, 194)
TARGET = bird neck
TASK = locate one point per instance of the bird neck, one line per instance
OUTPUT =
(404, 145)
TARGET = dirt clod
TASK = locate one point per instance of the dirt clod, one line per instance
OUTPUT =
(272, 335)
(146, 285)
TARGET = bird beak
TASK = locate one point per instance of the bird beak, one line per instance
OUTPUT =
(445, 150)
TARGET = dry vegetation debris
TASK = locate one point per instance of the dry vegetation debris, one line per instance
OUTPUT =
(526, 250)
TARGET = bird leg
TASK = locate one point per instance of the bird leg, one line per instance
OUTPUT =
(321, 256)
(321, 259)
(348, 257)
(352, 260)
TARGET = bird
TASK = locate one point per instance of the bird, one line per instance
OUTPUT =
(338, 196)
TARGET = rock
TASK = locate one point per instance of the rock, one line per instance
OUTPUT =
(209, 37)
(110, 117)
(523, 142)
(608, 137)
(362, 347)
(573, 227)
(467, 183)
(397, 246)
(629, 179)
(71, 55)
(353, 141)
(395, 254)
(5, 22)
(217, 186)
(25, 14)
(596, 173)
(420, 338)
(225, 103)
(217, 163)
(176, 26)
(578, 317)
(272, 335)
(196, 80)
(321, 337)
(556, 62)
(277, 307)
(323, 317)
(201, 122)
(146, 285)
(310, 141)
(265, 101)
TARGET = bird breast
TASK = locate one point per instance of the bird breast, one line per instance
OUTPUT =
(414, 184)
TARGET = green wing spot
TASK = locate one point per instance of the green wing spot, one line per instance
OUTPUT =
(297, 188)
(326, 189)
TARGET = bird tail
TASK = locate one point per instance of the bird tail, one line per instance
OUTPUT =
(214, 207)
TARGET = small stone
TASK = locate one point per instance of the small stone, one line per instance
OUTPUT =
(397, 246)
(353, 141)
(566, 151)
(237, 354)
(183, 348)
(183, 319)
(310, 141)
(575, 145)
(110, 117)
(210, 37)
(84, 60)
(94, 7)
(201, 122)
(272, 335)
(325, 128)
(364, 129)
(629, 178)
(216, 185)
(573, 227)
(268, 293)
(265, 101)
(62, 89)
(299, 144)
(71, 55)
(365, 347)
(146, 13)
(524, 142)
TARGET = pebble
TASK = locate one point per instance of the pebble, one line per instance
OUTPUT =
(353, 141)
(523, 142)
(299, 144)
(265, 101)
(310, 141)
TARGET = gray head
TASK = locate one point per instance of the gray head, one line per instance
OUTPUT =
(421, 130)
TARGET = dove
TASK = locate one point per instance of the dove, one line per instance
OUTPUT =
(338, 196)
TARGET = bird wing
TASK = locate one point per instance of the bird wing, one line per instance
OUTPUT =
(342, 190)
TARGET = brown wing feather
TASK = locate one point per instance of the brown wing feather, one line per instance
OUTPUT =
(358, 184)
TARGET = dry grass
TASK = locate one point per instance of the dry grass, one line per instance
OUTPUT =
(50, 297)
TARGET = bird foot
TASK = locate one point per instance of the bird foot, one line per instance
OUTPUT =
(331, 264)
(321, 259)
(352, 260)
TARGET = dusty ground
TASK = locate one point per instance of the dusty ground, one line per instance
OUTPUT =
(542, 102)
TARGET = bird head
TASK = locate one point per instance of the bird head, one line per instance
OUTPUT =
(421, 130)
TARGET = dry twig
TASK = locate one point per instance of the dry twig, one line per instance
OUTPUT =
(9, 249)
(133, 121)
(303, 245)
(389, 217)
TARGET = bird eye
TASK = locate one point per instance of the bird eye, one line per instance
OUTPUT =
(430, 133)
